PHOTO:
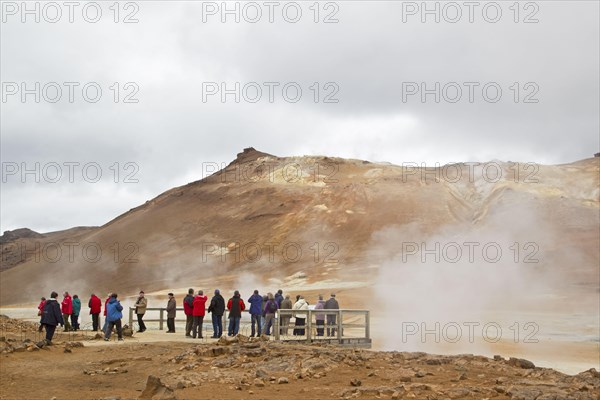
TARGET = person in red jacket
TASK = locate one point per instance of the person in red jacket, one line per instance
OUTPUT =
(188, 309)
(235, 305)
(106, 308)
(41, 311)
(95, 305)
(66, 307)
(198, 312)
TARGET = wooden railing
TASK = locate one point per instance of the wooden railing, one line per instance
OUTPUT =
(344, 327)
(334, 328)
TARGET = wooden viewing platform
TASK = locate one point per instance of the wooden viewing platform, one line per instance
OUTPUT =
(350, 329)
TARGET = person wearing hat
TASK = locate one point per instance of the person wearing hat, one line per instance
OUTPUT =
(140, 309)
(171, 311)
(217, 309)
(331, 304)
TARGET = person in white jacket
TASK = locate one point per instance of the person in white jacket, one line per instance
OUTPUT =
(300, 318)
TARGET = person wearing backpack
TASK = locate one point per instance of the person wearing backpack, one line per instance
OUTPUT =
(256, 302)
(271, 308)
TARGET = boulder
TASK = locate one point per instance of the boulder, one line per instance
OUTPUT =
(156, 390)
(521, 363)
(127, 331)
(356, 382)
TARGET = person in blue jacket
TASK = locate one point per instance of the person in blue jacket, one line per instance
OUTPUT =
(256, 302)
(279, 298)
(51, 316)
(113, 316)
(76, 311)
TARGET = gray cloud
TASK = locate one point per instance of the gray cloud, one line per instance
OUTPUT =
(171, 134)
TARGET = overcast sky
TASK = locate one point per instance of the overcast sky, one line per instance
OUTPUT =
(370, 60)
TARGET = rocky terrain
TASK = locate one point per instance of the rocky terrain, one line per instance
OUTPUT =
(247, 368)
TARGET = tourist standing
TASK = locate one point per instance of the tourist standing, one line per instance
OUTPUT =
(140, 309)
(52, 316)
(95, 305)
(67, 309)
(217, 309)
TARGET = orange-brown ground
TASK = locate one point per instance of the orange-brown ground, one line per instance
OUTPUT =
(243, 368)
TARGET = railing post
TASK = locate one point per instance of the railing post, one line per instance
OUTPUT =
(276, 324)
(368, 325)
(160, 322)
(308, 326)
(339, 327)
(131, 317)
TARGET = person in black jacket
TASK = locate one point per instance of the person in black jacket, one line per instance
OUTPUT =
(52, 316)
(217, 308)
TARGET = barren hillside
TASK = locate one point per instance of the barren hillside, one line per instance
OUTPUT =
(324, 219)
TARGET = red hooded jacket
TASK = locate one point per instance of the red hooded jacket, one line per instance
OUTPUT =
(95, 305)
(41, 306)
(67, 305)
(188, 308)
(199, 306)
(106, 305)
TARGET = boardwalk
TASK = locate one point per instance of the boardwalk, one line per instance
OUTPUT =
(351, 327)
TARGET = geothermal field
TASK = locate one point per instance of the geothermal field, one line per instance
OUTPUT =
(345, 199)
